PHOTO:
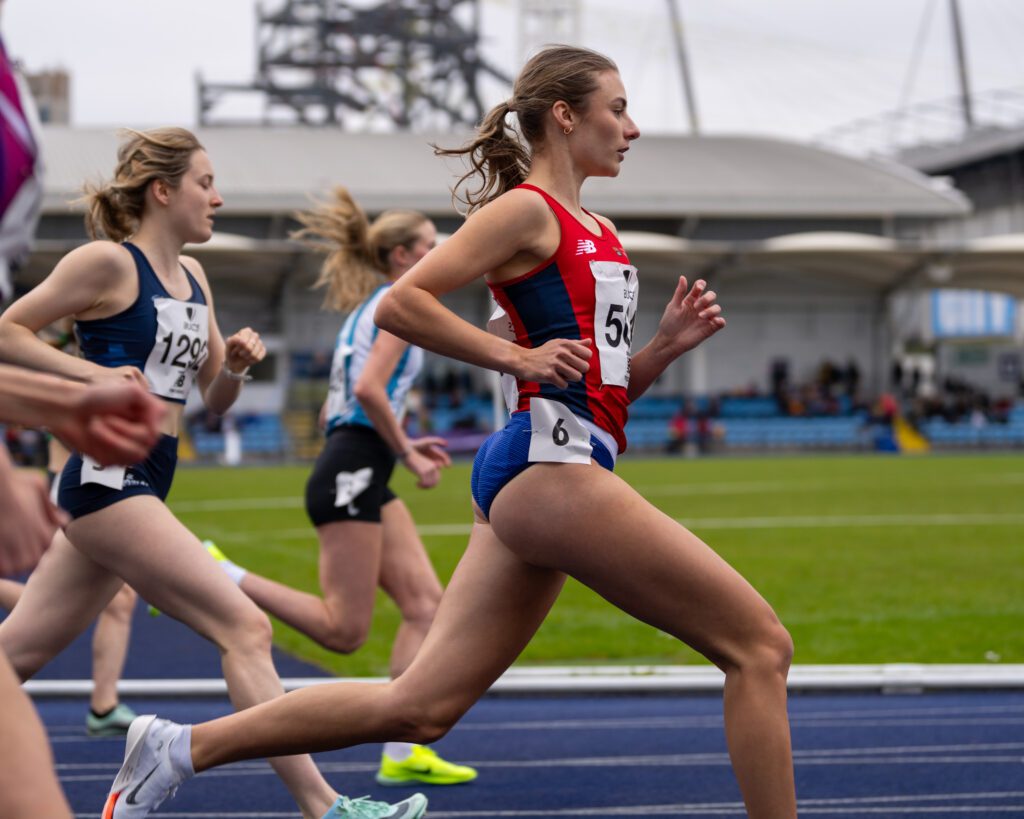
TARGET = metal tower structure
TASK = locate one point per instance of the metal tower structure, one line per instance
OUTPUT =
(407, 64)
(547, 21)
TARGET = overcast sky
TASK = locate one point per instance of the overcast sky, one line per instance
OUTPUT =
(793, 68)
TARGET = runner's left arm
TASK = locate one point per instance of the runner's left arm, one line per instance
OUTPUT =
(691, 316)
(423, 456)
(227, 363)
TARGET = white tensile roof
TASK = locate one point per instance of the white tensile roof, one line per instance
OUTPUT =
(277, 170)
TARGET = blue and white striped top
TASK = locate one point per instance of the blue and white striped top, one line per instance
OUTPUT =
(350, 352)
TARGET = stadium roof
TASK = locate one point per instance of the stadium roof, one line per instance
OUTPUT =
(975, 146)
(276, 170)
(868, 263)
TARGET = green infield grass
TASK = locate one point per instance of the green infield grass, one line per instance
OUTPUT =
(866, 559)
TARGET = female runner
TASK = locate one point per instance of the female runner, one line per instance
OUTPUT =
(367, 536)
(144, 313)
(547, 501)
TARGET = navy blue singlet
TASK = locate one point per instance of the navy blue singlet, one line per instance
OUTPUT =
(129, 338)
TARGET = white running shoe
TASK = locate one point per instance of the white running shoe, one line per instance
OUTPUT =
(148, 776)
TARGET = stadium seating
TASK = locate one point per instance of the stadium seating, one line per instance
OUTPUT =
(262, 435)
(942, 433)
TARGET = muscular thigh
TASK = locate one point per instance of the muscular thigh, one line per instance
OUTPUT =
(493, 605)
(62, 597)
(587, 522)
(141, 541)
(350, 561)
(406, 572)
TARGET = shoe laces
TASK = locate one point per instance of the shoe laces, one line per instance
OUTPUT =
(361, 807)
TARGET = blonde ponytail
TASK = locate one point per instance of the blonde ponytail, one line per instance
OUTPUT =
(357, 252)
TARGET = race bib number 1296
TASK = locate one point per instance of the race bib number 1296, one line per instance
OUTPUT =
(180, 347)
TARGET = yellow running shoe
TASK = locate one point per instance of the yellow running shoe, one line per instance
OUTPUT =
(215, 551)
(425, 766)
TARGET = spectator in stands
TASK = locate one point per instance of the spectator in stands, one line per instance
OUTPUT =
(851, 379)
(367, 537)
(678, 432)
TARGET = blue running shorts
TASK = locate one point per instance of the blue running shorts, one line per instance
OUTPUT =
(152, 476)
(506, 453)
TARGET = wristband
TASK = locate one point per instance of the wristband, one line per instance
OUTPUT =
(242, 376)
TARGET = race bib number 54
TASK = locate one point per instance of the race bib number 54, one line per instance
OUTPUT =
(615, 292)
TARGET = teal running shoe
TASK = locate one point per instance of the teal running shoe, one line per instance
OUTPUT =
(114, 723)
(363, 808)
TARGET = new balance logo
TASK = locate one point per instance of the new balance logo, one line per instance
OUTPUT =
(585, 246)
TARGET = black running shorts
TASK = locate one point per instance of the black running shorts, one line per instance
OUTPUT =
(350, 478)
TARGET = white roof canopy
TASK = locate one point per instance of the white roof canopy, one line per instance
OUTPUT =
(873, 263)
(269, 171)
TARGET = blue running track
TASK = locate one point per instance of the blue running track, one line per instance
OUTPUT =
(865, 755)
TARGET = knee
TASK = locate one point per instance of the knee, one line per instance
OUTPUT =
(769, 652)
(122, 605)
(424, 720)
(344, 638)
(249, 632)
(425, 724)
(419, 609)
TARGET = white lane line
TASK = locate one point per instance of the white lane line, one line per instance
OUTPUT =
(766, 522)
(653, 490)
(853, 521)
(705, 809)
(714, 724)
(696, 720)
(900, 755)
(238, 504)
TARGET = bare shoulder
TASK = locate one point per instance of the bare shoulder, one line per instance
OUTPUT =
(518, 213)
(92, 281)
(519, 207)
(604, 220)
(192, 266)
(100, 253)
(100, 264)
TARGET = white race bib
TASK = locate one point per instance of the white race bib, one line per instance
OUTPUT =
(557, 434)
(180, 347)
(500, 325)
(337, 397)
(111, 476)
(615, 292)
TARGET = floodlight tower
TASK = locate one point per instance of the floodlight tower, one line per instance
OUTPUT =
(384, 64)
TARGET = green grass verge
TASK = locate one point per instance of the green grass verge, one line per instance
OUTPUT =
(866, 559)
